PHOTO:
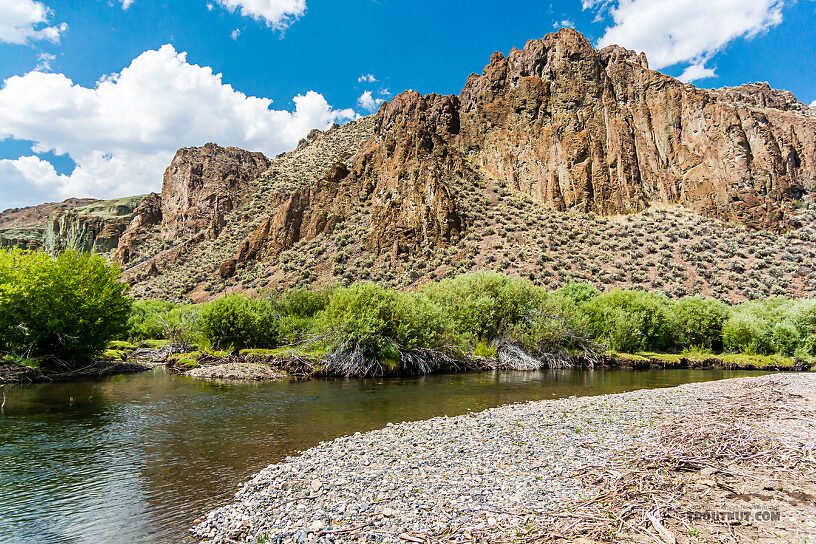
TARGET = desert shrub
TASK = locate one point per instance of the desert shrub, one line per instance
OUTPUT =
(237, 322)
(484, 305)
(67, 308)
(630, 321)
(699, 322)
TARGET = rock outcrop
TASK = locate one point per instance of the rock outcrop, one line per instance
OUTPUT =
(147, 215)
(83, 224)
(597, 131)
(203, 184)
(575, 129)
(94, 227)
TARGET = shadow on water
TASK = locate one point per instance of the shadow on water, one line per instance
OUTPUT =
(138, 458)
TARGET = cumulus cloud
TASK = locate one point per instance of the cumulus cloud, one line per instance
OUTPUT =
(565, 23)
(368, 102)
(813, 104)
(123, 132)
(127, 3)
(276, 14)
(685, 31)
(367, 78)
(235, 34)
(26, 21)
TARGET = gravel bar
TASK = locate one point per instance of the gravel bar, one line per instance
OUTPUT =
(491, 471)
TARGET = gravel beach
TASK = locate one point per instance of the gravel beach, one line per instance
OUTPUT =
(530, 471)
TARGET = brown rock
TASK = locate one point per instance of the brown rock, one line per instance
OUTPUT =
(203, 184)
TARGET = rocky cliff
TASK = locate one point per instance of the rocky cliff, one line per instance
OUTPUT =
(84, 224)
(202, 185)
(95, 227)
(558, 162)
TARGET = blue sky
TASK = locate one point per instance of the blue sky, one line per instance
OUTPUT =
(63, 134)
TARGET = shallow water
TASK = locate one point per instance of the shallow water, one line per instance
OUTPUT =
(138, 458)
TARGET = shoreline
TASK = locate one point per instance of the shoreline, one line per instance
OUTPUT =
(570, 468)
(253, 367)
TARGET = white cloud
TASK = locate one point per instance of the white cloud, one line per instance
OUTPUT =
(368, 102)
(123, 132)
(693, 72)
(25, 21)
(367, 78)
(127, 3)
(565, 23)
(685, 31)
(277, 14)
(813, 104)
(44, 61)
(235, 34)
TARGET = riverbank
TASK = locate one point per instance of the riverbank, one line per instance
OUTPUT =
(651, 465)
(11, 372)
(288, 363)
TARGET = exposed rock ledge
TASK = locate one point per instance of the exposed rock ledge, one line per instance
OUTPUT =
(642, 466)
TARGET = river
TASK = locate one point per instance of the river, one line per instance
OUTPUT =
(138, 458)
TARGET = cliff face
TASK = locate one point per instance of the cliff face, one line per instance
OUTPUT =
(203, 184)
(575, 129)
(93, 227)
(598, 131)
(555, 128)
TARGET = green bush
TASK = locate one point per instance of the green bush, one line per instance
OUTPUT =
(630, 321)
(746, 333)
(297, 309)
(485, 305)
(776, 325)
(577, 293)
(237, 322)
(68, 308)
(699, 322)
(380, 321)
(149, 319)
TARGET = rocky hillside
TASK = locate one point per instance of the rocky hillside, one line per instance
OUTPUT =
(557, 162)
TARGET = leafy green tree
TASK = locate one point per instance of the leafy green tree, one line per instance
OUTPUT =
(65, 308)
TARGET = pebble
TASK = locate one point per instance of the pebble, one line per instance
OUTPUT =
(479, 469)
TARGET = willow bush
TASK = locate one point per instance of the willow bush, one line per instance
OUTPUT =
(65, 309)
(630, 321)
(238, 322)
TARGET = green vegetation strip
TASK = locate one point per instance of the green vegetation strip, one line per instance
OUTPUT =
(74, 308)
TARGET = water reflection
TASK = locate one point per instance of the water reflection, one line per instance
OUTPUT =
(138, 458)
